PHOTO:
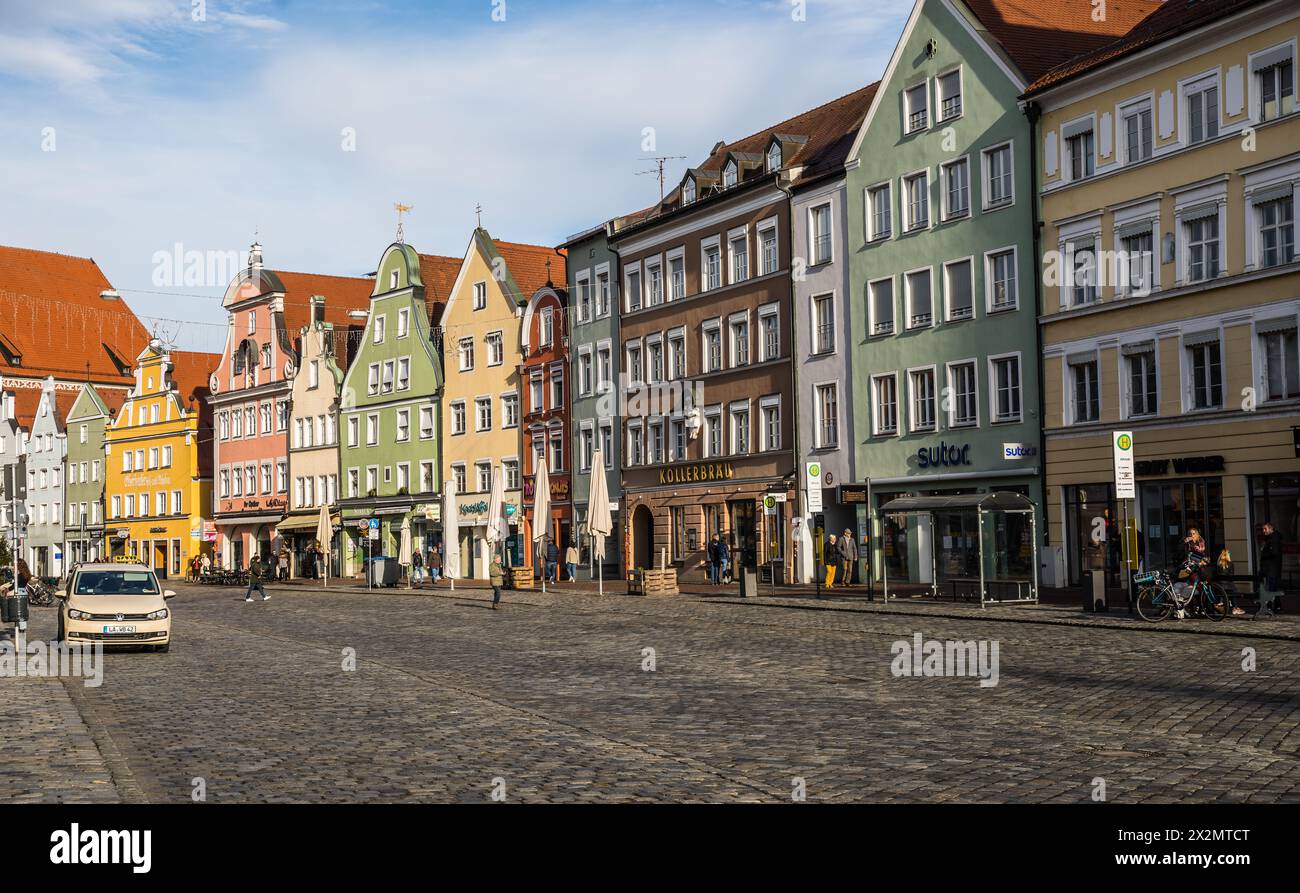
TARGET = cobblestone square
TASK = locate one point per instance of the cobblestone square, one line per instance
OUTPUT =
(551, 700)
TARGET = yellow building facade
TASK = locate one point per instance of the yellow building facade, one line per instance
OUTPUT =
(158, 479)
(481, 338)
(1170, 296)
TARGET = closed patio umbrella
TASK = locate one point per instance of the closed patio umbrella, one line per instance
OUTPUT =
(404, 548)
(496, 519)
(324, 535)
(599, 523)
(541, 513)
(450, 536)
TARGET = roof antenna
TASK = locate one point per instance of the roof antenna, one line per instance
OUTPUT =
(401, 209)
(659, 169)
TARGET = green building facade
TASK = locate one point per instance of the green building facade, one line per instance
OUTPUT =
(389, 408)
(84, 478)
(944, 334)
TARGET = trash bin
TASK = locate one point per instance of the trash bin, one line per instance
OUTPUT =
(375, 570)
(14, 608)
(748, 582)
(1093, 592)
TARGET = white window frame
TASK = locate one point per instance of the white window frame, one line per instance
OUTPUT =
(819, 419)
(990, 306)
(947, 213)
(905, 193)
(986, 153)
(950, 383)
(869, 212)
(947, 308)
(991, 368)
(765, 403)
(961, 94)
(907, 298)
(871, 308)
(912, 426)
(764, 313)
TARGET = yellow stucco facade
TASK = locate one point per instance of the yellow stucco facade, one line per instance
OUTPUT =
(1171, 295)
(482, 352)
(158, 489)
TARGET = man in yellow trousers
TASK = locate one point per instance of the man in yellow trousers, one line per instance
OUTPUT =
(830, 556)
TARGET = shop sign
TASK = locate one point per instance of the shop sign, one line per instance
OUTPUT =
(1014, 451)
(123, 533)
(1125, 485)
(852, 494)
(812, 481)
(559, 488)
(209, 531)
(158, 529)
(1182, 465)
(697, 472)
(474, 508)
(945, 454)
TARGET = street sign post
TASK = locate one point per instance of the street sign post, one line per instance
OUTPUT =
(1125, 489)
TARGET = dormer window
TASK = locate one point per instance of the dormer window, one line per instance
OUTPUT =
(729, 175)
(392, 279)
(688, 191)
(774, 158)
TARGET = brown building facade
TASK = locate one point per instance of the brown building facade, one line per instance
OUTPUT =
(705, 371)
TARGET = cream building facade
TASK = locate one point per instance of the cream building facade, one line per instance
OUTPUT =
(1169, 174)
(314, 442)
(482, 350)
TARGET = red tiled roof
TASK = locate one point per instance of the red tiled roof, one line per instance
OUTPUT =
(191, 371)
(51, 311)
(1168, 20)
(341, 293)
(113, 398)
(439, 275)
(1039, 35)
(830, 129)
(25, 402)
(63, 401)
(532, 266)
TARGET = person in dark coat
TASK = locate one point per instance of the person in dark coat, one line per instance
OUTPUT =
(715, 561)
(1270, 568)
(552, 560)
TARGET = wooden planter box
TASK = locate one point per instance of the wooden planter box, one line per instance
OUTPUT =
(519, 578)
(652, 582)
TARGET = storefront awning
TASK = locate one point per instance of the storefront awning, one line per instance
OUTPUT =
(303, 522)
(999, 501)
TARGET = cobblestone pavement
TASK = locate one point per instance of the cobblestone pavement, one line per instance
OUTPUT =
(547, 699)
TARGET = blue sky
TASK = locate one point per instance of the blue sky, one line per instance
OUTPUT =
(168, 130)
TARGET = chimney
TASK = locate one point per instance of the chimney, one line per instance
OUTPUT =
(317, 308)
(255, 257)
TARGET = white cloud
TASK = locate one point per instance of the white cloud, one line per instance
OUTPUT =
(541, 123)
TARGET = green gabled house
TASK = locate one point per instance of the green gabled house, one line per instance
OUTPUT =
(84, 478)
(944, 347)
(389, 409)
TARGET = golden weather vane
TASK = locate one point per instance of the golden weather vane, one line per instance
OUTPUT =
(401, 209)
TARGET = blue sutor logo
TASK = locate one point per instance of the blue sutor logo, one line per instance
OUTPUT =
(943, 454)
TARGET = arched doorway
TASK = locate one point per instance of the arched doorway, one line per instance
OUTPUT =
(643, 537)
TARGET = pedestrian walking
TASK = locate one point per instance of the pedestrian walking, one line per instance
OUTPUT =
(283, 573)
(435, 565)
(552, 560)
(571, 561)
(830, 556)
(848, 557)
(714, 558)
(724, 561)
(257, 570)
(417, 567)
(205, 565)
(1270, 570)
(496, 578)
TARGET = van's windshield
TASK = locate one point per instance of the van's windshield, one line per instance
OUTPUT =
(116, 583)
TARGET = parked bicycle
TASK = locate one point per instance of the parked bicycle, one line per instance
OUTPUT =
(1159, 597)
(40, 594)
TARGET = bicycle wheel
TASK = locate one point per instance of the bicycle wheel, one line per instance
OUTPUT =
(1153, 603)
(1214, 602)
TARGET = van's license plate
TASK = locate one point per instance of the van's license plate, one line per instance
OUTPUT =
(118, 629)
